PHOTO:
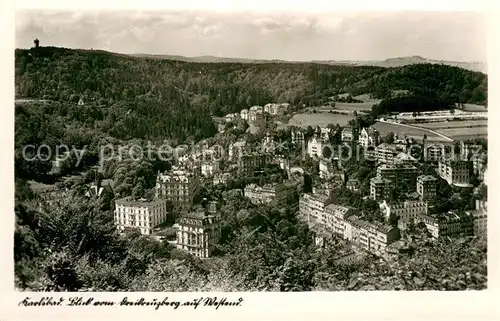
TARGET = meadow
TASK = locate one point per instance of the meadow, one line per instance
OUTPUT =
(460, 130)
(416, 133)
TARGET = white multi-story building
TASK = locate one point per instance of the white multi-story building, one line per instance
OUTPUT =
(254, 113)
(244, 114)
(141, 214)
(312, 206)
(369, 137)
(315, 147)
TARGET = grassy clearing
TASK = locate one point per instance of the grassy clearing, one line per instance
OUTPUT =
(465, 133)
(416, 133)
(454, 124)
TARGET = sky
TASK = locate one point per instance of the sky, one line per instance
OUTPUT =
(455, 36)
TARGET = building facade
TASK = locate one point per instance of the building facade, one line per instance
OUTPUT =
(348, 135)
(312, 206)
(456, 172)
(449, 224)
(199, 232)
(426, 187)
(315, 147)
(380, 189)
(140, 214)
(251, 162)
(369, 137)
(372, 237)
(385, 153)
(403, 177)
(297, 137)
(404, 210)
(177, 186)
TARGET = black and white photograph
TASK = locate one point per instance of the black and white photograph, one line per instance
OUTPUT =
(250, 151)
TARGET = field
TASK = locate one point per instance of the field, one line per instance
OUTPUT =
(454, 124)
(318, 119)
(416, 133)
(459, 130)
(472, 107)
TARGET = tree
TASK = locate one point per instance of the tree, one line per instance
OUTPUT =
(389, 138)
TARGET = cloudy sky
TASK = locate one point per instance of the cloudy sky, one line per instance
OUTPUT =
(458, 36)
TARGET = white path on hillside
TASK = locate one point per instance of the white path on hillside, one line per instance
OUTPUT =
(417, 127)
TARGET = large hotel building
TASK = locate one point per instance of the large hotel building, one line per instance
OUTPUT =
(141, 214)
(177, 186)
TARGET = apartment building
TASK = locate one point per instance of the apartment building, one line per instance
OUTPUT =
(177, 186)
(199, 232)
(141, 214)
(426, 187)
(373, 237)
(450, 224)
(380, 189)
(348, 135)
(385, 153)
(251, 162)
(312, 206)
(369, 137)
(404, 210)
(403, 177)
(456, 172)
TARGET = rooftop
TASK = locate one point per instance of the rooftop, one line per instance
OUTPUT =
(427, 178)
(141, 202)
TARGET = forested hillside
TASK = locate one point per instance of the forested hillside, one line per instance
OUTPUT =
(132, 97)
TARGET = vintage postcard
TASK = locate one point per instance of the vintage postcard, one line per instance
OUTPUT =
(195, 159)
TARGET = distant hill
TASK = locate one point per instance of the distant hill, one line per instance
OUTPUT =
(387, 63)
(160, 97)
